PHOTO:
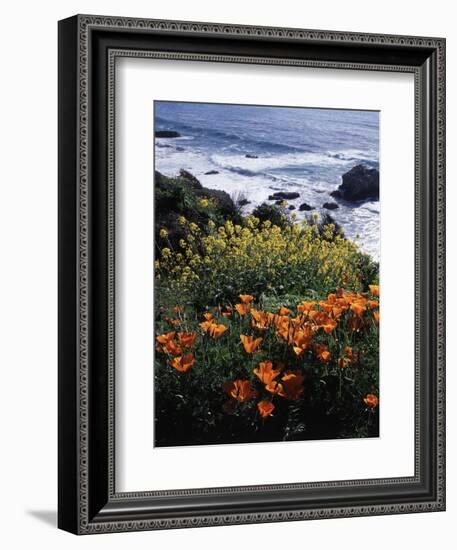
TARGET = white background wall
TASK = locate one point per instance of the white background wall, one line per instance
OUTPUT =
(28, 299)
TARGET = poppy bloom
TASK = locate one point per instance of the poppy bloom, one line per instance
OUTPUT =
(284, 311)
(164, 338)
(246, 298)
(265, 408)
(250, 344)
(172, 348)
(347, 358)
(290, 386)
(178, 309)
(292, 383)
(322, 353)
(242, 308)
(208, 316)
(187, 339)
(183, 363)
(175, 322)
(302, 339)
(329, 325)
(241, 390)
(358, 308)
(261, 319)
(374, 289)
(217, 330)
(206, 326)
(265, 372)
(305, 307)
(376, 316)
(371, 401)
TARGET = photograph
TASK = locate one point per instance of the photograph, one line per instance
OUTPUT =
(266, 275)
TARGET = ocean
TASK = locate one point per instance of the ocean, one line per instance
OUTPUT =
(289, 149)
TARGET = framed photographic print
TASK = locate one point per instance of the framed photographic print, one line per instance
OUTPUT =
(251, 274)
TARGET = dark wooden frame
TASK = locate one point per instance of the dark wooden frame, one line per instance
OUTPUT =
(88, 502)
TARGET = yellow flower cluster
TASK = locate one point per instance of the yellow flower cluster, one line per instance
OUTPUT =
(266, 247)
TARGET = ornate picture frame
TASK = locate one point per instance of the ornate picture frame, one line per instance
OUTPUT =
(88, 49)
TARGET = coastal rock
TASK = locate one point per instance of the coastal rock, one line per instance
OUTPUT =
(190, 179)
(291, 207)
(249, 156)
(336, 194)
(360, 184)
(176, 197)
(330, 205)
(211, 173)
(305, 207)
(284, 195)
(166, 134)
(225, 204)
(243, 202)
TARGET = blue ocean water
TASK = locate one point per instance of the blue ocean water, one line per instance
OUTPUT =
(259, 150)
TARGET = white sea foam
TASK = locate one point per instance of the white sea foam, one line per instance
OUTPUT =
(360, 222)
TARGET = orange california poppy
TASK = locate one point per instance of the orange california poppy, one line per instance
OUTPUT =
(373, 304)
(164, 338)
(208, 316)
(217, 330)
(183, 364)
(292, 383)
(250, 344)
(178, 309)
(241, 390)
(329, 325)
(303, 337)
(246, 298)
(242, 308)
(187, 339)
(322, 352)
(261, 319)
(371, 401)
(265, 408)
(376, 316)
(172, 348)
(347, 358)
(290, 386)
(374, 289)
(358, 308)
(206, 326)
(305, 307)
(284, 310)
(265, 372)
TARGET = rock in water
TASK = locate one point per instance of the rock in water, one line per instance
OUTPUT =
(360, 184)
(305, 207)
(284, 195)
(166, 134)
(243, 202)
(211, 173)
(249, 156)
(330, 205)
